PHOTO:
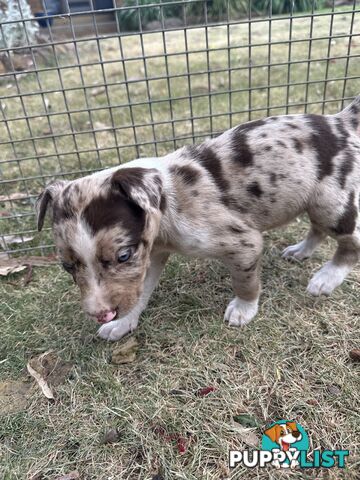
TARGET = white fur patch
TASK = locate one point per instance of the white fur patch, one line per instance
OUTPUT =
(117, 329)
(328, 278)
(83, 242)
(240, 312)
(301, 250)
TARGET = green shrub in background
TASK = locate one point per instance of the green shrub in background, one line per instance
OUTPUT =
(285, 6)
(129, 20)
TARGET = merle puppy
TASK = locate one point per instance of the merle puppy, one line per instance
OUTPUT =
(115, 229)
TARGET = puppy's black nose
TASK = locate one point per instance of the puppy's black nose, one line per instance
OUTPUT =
(296, 433)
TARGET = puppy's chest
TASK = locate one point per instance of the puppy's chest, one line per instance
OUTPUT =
(186, 240)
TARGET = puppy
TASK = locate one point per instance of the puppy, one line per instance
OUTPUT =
(115, 229)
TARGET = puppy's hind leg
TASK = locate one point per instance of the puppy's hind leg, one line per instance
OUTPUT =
(346, 230)
(333, 273)
(244, 267)
(306, 247)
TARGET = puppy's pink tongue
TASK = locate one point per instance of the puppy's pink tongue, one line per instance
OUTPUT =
(107, 317)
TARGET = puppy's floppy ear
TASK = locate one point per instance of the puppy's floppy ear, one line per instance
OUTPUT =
(273, 433)
(45, 199)
(142, 186)
(292, 425)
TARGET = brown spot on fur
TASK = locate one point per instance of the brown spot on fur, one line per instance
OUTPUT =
(268, 148)
(252, 267)
(347, 222)
(247, 244)
(273, 178)
(129, 180)
(354, 109)
(115, 209)
(163, 203)
(298, 145)
(354, 123)
(325, 143)
(293, 126)
(241, 152)
(346, 168)
(255, 189)
(281, 143)
(188, 174)
(211, 162)
(235, 229)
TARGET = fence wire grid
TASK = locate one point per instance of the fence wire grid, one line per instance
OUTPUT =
(89, 92)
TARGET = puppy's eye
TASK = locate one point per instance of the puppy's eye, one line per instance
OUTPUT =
(68, 267)
(125, 254)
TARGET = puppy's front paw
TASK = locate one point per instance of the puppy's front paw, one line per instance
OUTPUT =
(240, 312)
(297, 252)
(117, 329)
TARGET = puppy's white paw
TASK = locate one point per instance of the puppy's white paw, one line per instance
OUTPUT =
(239, 312)
(117, 329)
(300, 251)
(327, 279)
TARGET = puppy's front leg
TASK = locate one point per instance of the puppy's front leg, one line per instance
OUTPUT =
(244, 267)
(118, 328)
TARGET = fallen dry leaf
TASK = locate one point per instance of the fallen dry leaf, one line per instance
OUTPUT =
(334, 389)
(125, 353)
(12, 265)
(246, 420)
(355, 354)
(111, 436)
(6, 270)
(41, 382)
(13, 396)
(203, 392)
(51, 368)
(69, 476)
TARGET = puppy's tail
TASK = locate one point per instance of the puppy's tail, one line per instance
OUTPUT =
(351, 114)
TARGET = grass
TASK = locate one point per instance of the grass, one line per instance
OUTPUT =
(291, 362)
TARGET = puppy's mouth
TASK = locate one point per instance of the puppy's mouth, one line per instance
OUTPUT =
(108, 316)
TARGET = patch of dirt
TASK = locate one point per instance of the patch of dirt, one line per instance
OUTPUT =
(14, 396)
(51, 368)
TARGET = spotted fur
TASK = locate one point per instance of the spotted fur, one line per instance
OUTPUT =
(210, 200)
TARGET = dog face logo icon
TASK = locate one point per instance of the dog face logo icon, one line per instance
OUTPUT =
(285, 436)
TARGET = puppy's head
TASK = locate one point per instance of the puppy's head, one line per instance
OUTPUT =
(104, 227)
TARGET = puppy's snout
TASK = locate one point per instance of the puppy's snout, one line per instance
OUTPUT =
(296, 434)
(105, 316)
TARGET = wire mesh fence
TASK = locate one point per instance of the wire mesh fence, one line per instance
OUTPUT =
(94, 88)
